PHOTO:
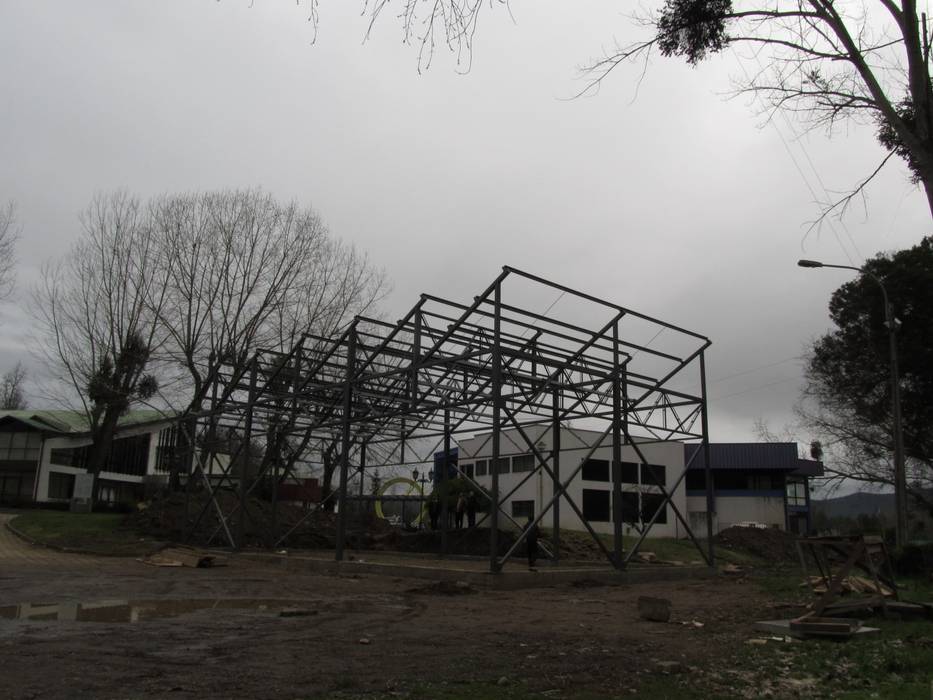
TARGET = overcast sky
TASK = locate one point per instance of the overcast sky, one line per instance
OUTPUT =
(676, 201)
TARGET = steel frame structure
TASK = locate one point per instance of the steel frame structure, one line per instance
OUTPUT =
(381, 393)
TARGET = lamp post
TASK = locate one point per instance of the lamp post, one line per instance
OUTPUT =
(415, 475)
(900, 473)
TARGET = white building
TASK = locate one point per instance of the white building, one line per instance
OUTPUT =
(757, 483)
(41, 452)
(591, 490)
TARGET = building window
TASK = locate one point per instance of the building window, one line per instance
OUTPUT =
(629, 507)
(129, 455)
(523, 509)
(69, 456)
(696, 480)
(726, 480)
(61, 485)
(650, 502)
(765, 482)
(629, 473)
(20, 447)
(596, 470)
(481, 468)
(467, 470)
(523, 463)
(596, 505)
(119, 492)
(503, 465)
(653, 475)
(796, 493)
(15, 487)
(168, 449)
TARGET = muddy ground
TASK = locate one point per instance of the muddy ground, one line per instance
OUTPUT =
(360, 635)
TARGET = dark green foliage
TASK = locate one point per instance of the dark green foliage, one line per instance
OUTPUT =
(849, 367)
(454, 487)
(693, 28)
(890, 139)
(914, 559)
(116, 383)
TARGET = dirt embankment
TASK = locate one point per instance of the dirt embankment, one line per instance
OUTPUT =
(769, 544)
(197, 522)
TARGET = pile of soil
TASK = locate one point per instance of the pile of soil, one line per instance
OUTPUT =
(771, 544)
(167, 517)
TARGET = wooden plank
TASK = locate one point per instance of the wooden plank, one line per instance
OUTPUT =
(825, 626)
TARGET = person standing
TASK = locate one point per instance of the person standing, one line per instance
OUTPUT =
(433, 511)
(531, 542)
(461, 510)
(471, 509)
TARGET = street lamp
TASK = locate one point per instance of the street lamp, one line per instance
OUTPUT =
(900, 474)
(414, 475)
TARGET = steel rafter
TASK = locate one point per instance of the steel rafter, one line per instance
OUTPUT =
(447, 370)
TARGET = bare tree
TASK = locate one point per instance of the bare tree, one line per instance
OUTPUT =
(826, 61)
(98, 310)
(244, 271)
(12, 397)
(9, 234)
(177, 287)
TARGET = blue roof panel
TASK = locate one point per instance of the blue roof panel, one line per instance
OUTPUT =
(751, 455)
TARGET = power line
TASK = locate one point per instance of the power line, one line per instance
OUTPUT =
(797, 166)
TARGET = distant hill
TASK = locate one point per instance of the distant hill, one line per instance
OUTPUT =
(856, 504)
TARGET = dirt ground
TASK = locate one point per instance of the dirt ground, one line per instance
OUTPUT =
(361, 634)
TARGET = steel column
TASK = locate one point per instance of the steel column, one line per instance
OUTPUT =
(496, 428)
(245, 454)
(617, 451)
(707, 466)
(555, 473)
(345, 451)
(445, 496)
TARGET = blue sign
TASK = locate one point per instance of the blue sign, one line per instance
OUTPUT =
(452, 471)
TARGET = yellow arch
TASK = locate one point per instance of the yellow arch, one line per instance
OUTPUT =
(413, 486)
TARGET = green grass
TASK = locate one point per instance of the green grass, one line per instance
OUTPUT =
(896, 662)
(98, 533)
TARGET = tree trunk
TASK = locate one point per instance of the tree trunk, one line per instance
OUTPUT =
(327, 478)
(102, 440)
(927, 180)
(184, 449)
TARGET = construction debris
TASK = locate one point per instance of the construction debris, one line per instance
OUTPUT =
(835, 559)
(850, 584)
(178, 556)
(825, 626)
(784, 628)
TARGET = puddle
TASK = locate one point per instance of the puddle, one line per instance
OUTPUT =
(137, 610)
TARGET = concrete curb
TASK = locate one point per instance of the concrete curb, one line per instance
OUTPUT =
(506, 580)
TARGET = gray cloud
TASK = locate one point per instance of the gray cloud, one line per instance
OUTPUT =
(676, 203)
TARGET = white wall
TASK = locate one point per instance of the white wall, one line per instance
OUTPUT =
(574, 449)
(64, 441)
(730, 510)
